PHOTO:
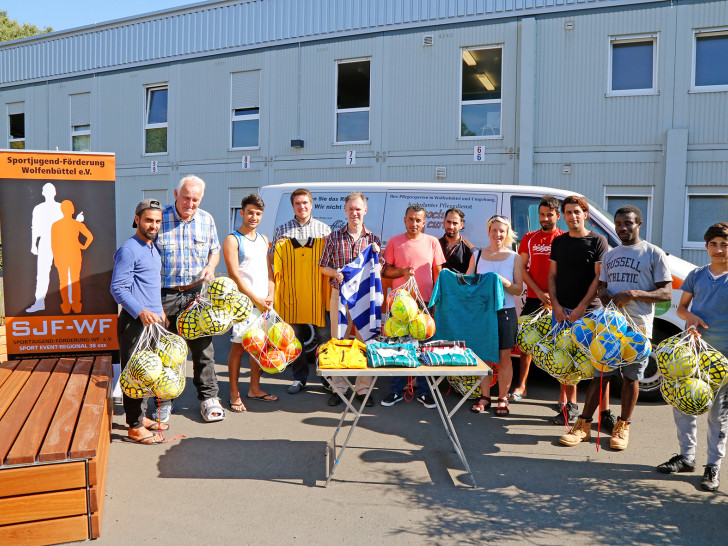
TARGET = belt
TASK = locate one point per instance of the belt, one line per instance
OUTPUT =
(182, 288)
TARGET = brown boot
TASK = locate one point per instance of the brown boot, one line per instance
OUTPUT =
(620, 436)
(580, 432)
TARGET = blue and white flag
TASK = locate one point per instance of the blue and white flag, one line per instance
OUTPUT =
(361, 292)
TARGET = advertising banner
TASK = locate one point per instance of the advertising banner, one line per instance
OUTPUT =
(57, 214)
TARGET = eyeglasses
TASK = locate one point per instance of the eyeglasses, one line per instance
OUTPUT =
(499, 217)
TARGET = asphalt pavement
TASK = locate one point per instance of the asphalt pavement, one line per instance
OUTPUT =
(258, 477)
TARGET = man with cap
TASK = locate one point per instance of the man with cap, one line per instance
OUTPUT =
(136, 286)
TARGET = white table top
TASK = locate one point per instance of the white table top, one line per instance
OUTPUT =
(482, 369)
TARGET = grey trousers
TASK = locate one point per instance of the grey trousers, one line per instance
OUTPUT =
(203, 353)
(687, 429)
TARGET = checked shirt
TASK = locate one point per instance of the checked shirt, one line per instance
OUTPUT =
(315, 229)
(185, 246)
(341, 249)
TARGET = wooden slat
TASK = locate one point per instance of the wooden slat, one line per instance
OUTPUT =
(93, 412)
(43, 506)
(29, 440)
(60, 433)
(6, 368)
(14, 383)
(42, 479)
(45, 532)
(97, 465)
(14, 419)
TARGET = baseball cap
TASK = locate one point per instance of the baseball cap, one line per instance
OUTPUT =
(144, 205)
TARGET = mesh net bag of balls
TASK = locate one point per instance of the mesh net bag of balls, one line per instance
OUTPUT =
(218, 306)
(408, 314)
(271, 342)
(692, 372)
(553, 349)
(157, 365)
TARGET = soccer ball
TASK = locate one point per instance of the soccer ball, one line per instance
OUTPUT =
(635, 347)
(281, 335)
(611, 321)
(668, 389)
(541, 351)
(239, 306)
(559, 362)
(570, 378)
(394, 328)
(694, 396)
(543, 325)
(404, 308)
(188, 323)
(429, 326)
(715, 367)
(145, 367)
(678, 363)
(130, 387)
(215, 320)
(254, 341)
(272, 361)
(170, 385)
(583, 365)
(394, 294)
(419, 326)
(606, 349)
(527, 338)
(462, 384)
(293, 351)
(220, 288)
(565, 342)
(172, 350)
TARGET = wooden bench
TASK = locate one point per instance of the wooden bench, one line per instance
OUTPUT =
(55, 432)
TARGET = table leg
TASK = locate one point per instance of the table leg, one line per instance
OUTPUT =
(332, 454)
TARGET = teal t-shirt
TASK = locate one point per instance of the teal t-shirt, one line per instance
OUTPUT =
(466, 308)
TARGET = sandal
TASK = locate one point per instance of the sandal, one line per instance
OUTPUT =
(482, 405)
(237, 407)
(211, 410)
(502, 409)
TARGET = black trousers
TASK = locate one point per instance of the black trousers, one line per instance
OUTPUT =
(129, 330)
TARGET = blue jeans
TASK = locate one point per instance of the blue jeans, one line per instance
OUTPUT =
(397, 383)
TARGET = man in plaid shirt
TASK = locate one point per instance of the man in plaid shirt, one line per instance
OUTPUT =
(190, 251)
(342, 247)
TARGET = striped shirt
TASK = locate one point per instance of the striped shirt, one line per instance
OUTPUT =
(341, 249)
(185, 246)
(313, 229)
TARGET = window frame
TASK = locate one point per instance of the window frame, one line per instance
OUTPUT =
(633, 39)
(338, 111)
(499, 136)
(148, 89)
(10, 136)
(81, 132)
(697, 191)
(243, 117)
(704, 33)
(634, 191)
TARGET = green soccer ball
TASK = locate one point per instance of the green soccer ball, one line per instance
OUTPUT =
(215, 320)
(220, 288)
(145, 368)
(130, 387)
(715, 367)
(526, 339)
(188, 323)
(678, 362)
(239, 306)
(694, 396)
(172, 351)
(170, 385)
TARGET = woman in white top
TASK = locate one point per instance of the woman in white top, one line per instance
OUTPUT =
(500, 259)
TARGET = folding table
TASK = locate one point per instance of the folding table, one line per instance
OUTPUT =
(432, 374)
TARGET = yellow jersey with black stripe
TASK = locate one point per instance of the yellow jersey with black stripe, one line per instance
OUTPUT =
(299, 297)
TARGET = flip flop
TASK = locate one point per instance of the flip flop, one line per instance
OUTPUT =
(144, 441)
(237, 407)
(515, 397)
(264, 398)
(160, 427)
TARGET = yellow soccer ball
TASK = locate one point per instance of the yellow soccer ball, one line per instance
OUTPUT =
(582, 332)
(172, 351)
(404, 308)
(130, 387)
(526, 339)
(639, 344)
(215, 320)
(606, 349)
(694, 396)
(145, 367)
(418, 327)
(543, 325)
(565, 342)
(170, 385)
(583, 365)
(239, 306)
(571, 378)
(668, 389)
(394, 328)
(561, 362)
(678, 364)
(715, 367)
(220, 288)
(188, 323)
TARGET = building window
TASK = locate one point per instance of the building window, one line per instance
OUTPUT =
(480, 101)
(155, 126)
(16, 126)
(245, 101)
(710, 54)
(702, 211)
(643, 202)
(81, 122)
(352, 101)
(633, 66)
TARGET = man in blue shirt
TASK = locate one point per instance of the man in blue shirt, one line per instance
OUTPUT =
(136, 286)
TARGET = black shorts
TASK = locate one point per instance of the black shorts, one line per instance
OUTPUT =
(531, 305)
(507, 328)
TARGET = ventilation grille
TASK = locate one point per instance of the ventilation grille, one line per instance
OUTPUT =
(427, 40)
(440, 172)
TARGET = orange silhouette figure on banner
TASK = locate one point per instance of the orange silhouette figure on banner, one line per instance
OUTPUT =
(67, 248)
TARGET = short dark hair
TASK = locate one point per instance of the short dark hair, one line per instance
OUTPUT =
(627, 209)
(301, 191)
(414, 208)
(575, 200)
(252, 199)
(716, 230)
(456, 211)
(549, 201)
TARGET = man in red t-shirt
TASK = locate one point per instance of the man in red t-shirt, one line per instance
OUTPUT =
(413, 254)
(535, 251)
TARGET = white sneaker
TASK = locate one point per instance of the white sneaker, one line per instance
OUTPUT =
(39, 305)
(163, 412)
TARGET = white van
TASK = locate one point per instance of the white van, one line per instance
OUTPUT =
(387, 202)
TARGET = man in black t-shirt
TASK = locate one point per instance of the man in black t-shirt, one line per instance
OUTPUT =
(456, 248)
(576, 259)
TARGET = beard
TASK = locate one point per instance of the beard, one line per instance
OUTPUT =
(450, 235)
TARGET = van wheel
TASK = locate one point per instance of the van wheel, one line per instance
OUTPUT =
(650, 385)
(308, 339)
